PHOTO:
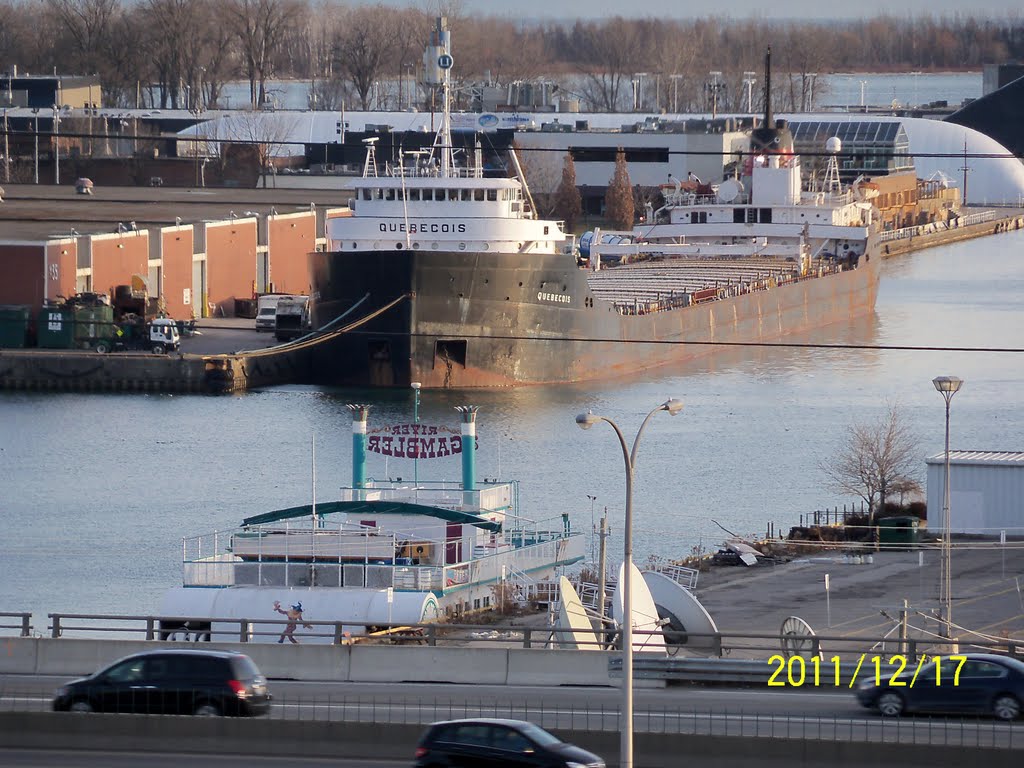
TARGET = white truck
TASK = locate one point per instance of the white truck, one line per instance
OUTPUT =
(266, 310)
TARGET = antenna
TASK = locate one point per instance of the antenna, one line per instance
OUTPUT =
(768, 121)
(798, 639)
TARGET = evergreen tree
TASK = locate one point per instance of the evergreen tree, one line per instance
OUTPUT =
(568, 204)
(618, 200)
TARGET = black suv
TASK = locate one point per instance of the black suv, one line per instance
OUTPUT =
(170, 682)
(487, 743)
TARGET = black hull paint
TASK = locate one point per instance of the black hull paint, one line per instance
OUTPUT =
(485, 320)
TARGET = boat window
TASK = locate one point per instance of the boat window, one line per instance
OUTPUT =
(389, 194)
(478, 195)
(465, 194)
(492, 195)
(366, 194)
(453, 194)
(439, 195)
(377, 194)
(414, 194)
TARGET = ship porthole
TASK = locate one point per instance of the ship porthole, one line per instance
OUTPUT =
(485, 247)
(398, 246)
(355, 245)
(462, 246)
(415, 246)
(434, 245)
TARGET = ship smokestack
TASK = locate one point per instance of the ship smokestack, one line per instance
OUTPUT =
(768, 120)
(359, 416)
(468, 454)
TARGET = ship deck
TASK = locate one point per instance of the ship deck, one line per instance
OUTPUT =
(657, 281)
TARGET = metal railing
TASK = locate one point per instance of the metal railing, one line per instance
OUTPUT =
(737, 646)
(598, 714)
(24, 623)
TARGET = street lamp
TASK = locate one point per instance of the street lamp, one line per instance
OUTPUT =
(35, 113)
(593, 530)
(56, 143)
(586, 421)
(749, 80)
(713, 87)
(416, 420)
(947, 387)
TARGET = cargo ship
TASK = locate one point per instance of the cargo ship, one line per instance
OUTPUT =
(450, 279)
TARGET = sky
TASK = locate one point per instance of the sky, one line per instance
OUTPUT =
(736, 9)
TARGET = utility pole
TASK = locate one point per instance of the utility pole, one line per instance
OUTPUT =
(966, 169)
(602, 566)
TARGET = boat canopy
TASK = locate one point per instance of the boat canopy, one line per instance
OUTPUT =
(373, 508)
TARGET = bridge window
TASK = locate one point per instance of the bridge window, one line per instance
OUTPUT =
(389, 194)
(414, 195)
(478, 195)
(492, 195)
(453, 194)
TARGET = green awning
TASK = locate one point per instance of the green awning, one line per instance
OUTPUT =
(373, 508)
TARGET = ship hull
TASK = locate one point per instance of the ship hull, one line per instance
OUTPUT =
(465, 320)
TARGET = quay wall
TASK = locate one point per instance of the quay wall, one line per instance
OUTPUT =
(377, 741)
(85, 371)
(919, 242)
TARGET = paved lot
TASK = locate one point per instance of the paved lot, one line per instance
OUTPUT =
(986, 598)
(226, 335)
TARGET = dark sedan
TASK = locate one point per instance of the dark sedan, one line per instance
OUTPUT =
(171, 682)
(974, 683)
(494, 743)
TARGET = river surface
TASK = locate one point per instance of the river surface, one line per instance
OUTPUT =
(97, 491)
(831, 91)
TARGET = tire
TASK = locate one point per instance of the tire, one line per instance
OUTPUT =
(81, 706)
(890, 704)
(159, 349)
(102, 347)
(206, 709)
(1006, 707)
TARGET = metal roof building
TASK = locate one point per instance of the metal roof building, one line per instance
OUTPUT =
(986, 491)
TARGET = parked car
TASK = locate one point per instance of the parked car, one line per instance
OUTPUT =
(483, 742)
(171, 682)
(987, 684)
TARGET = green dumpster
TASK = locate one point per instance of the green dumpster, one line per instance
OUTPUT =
(897, 532)
(56, 328)
(13, 326)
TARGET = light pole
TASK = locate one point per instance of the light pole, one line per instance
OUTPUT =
(714, 86)
(947, 387)
(416, 420)
(592, 529)
(7, 151)
(35, 112)
(675, 92)
(749, 79)
(56, 143)
(586, 421)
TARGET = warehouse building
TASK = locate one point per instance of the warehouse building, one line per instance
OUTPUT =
(986, 490)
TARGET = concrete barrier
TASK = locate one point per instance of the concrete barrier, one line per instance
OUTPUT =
(318, 739)
(18, 655)
(532, 667)
(427, 664)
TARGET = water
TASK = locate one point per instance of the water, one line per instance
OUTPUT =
(834, 90)
(96, 491)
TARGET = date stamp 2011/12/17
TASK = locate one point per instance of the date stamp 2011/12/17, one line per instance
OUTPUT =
(797, 672)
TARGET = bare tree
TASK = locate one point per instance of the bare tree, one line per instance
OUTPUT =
(618, 200)
(877, 461)
(259, 26)
(363, 49)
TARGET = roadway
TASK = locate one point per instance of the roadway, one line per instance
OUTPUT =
(34, 758)
(809, 713)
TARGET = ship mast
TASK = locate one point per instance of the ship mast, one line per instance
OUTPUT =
(438, 60)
